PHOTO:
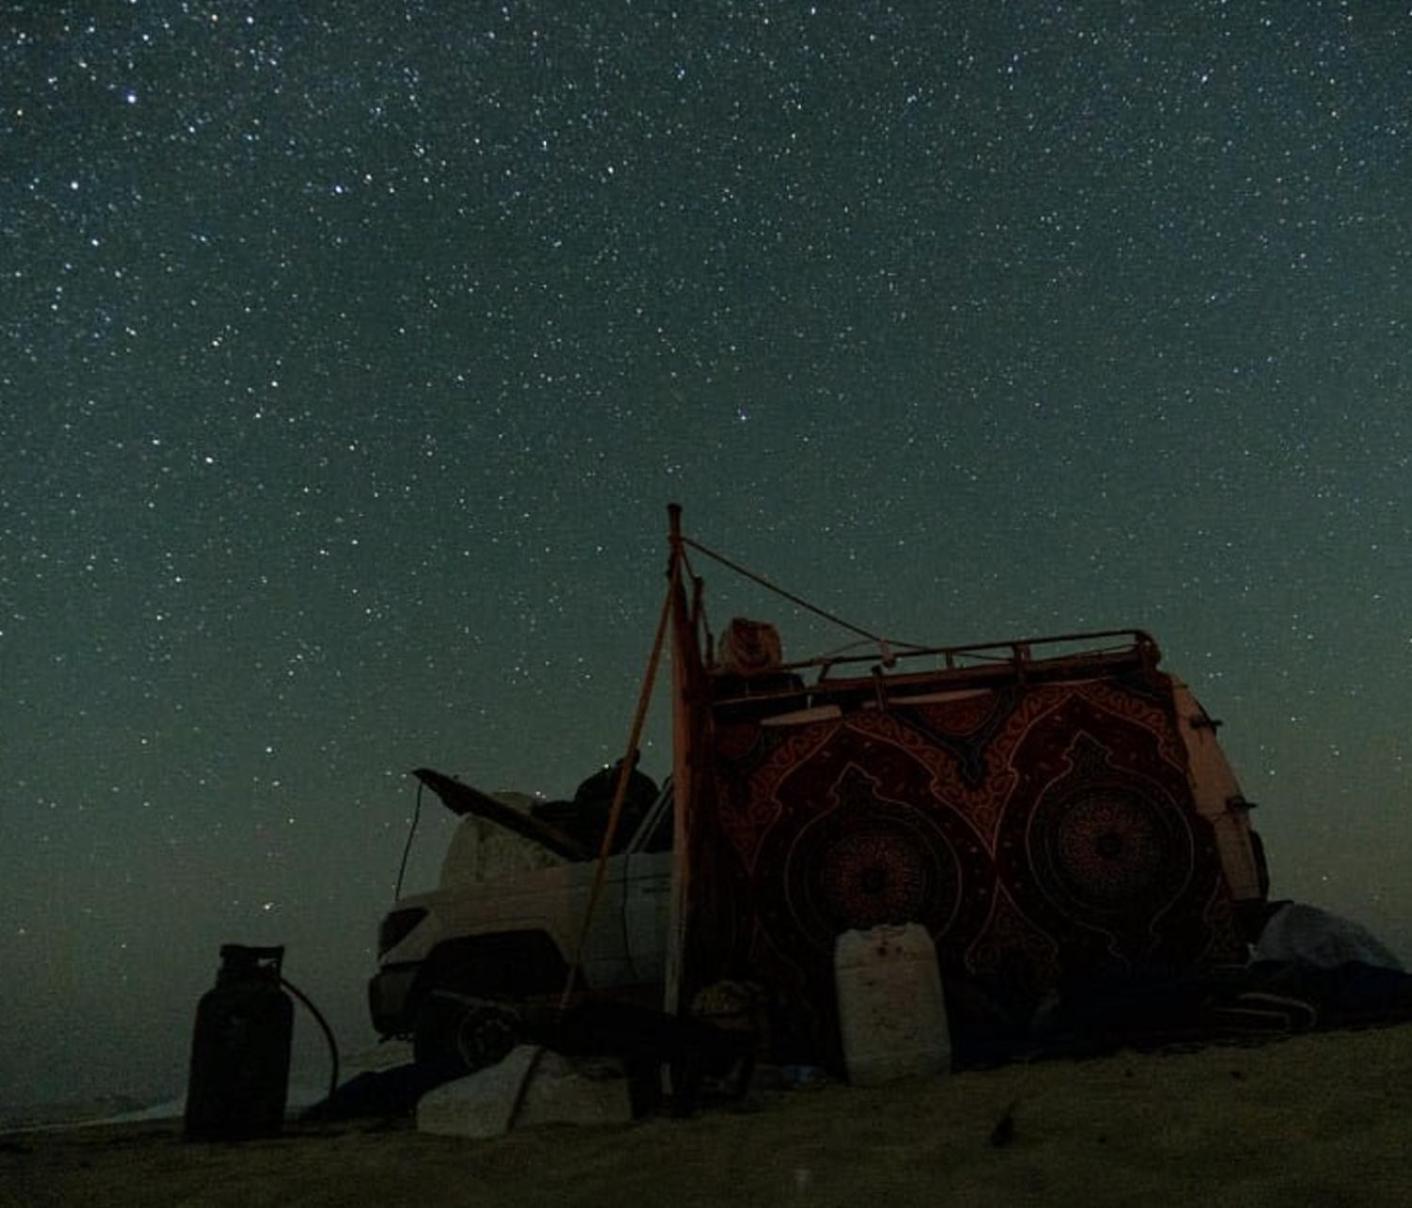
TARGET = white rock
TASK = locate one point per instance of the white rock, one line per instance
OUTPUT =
(566, 1091)
(556, 1090)
(480, 1104)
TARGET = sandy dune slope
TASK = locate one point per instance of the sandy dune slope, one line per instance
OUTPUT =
(1324, 1119)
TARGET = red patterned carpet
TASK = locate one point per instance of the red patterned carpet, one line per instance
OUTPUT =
(1040, 832)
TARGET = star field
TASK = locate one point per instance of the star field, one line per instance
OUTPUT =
(351, 354)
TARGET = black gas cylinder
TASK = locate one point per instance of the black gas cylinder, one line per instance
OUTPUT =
(240, 1049)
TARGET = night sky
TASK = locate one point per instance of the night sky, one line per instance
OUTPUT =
(349, 355)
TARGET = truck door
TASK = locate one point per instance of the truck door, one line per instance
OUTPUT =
(647, 892)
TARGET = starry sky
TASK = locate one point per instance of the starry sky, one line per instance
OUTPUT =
(349, 355)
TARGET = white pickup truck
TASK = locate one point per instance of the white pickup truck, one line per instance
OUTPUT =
(459, 965)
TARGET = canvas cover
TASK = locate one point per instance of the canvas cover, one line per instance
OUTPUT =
(1040, 831)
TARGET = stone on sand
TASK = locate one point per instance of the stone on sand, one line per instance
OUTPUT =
(546, 1087)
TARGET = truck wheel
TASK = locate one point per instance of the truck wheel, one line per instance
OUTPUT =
(457, 1035)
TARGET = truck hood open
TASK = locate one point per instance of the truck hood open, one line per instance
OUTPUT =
(462, 799)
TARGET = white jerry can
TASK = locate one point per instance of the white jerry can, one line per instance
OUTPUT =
(891, 1009)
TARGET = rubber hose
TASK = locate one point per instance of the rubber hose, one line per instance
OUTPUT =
(323, 1023)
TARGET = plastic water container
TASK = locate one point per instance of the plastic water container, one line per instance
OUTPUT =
(891, 1008)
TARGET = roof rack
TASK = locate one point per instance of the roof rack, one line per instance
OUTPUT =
(985, 664)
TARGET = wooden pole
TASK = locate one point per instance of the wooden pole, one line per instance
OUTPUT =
(683, 765)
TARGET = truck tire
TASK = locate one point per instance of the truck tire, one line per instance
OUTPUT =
(457, 1035)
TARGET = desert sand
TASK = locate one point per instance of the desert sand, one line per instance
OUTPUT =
(1320, 1119)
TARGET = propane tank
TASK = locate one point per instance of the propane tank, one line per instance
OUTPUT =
(239, 1077)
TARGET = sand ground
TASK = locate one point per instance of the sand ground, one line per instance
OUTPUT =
(1323, 1119)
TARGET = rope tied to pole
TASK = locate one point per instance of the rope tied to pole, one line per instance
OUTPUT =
(886, 645)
